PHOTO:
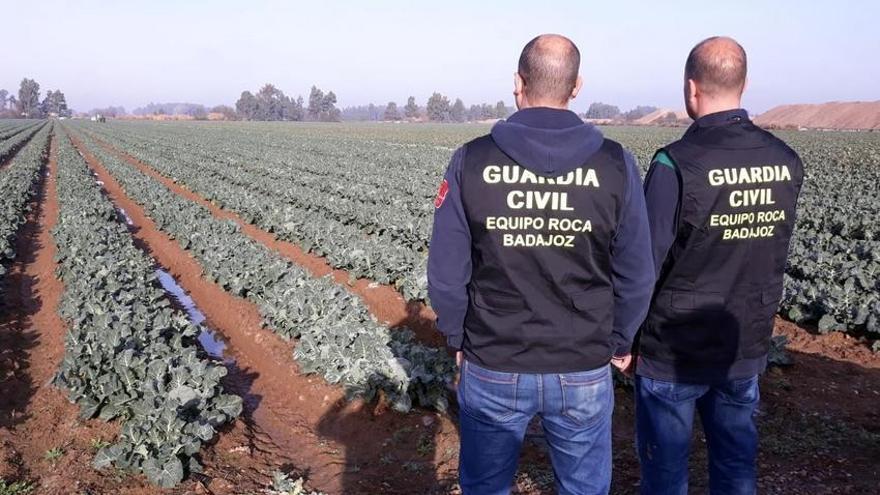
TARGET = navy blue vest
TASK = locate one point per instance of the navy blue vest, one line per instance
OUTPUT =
(541, 299)
(721, 283)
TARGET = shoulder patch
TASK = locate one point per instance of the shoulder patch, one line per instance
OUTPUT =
(441, 194)
(664, 159)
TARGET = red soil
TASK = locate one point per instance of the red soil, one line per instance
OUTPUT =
(832, 115)
(298, 421)
(290, 418)
(810, 386)
(36, 417)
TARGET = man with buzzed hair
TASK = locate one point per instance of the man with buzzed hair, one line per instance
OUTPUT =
(721, 202)
(540, 272)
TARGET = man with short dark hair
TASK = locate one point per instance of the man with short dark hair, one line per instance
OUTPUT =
(540, 272)
(721, 202)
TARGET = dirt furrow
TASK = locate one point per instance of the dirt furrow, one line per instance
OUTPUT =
(290, 418)
(383, 301)
(41, 435)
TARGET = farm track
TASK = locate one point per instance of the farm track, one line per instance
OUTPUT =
(289, 419)
(384, 302)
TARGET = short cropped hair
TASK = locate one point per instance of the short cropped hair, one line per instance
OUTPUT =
(718, 64)
(549, 66)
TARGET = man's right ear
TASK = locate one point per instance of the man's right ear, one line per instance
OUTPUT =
(691, 89)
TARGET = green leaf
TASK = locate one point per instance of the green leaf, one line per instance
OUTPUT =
(166, 475)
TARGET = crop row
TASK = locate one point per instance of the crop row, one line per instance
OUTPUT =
(276, 207)
(402, 218)
(325, 188)
(338, 338)
(9, 128)
(13, 138)
(17, 186)
(129, 355)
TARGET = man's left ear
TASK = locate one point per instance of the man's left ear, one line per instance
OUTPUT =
(578, 84)
(518, 83)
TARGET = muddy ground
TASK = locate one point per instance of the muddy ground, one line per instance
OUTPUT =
(819, 417)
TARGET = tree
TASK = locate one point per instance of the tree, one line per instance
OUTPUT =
(411, 110)
(391, 112)
(199, 113)
(329, 112)
(226, 111)
(500, 110)
(246, 106)
(316, 98)
(270, 103)
(293, 109)
(438, 108)
(599, 110)
(29, 98)
(3, 95)
(457, 112)
(55, 103)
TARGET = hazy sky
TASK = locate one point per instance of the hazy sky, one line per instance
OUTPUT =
(133, 52)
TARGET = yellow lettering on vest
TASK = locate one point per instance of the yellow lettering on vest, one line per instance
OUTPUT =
(515, 200)
(492, 174)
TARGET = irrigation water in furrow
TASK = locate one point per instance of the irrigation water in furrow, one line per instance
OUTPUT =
(384, 302)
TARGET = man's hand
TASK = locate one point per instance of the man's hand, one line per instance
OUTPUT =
(459, 357)
(623, 364)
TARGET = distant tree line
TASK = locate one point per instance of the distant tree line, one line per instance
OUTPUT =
(28, 104)
(110, 111)
(270, 103)
(599, 110)
(193, 110)
(437, 109)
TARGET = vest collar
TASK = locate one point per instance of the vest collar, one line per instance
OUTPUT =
(546, 118)
(722, 118)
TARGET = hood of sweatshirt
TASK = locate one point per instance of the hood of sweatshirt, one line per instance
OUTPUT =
(547, 141)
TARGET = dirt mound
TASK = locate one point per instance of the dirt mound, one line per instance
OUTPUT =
(664, 116)
(832, 115)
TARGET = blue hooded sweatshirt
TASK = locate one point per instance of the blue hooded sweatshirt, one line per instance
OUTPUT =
(549, 142)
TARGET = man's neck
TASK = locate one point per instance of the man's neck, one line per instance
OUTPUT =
(716, 106)
(541, 104)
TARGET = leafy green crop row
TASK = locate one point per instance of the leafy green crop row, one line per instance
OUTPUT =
(338, 338)
(17, 187)
(360, 195)
(129, 354)
(12, 138)
(321, 221)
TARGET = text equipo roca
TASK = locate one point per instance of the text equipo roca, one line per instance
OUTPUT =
(546, 231)
(753, 197)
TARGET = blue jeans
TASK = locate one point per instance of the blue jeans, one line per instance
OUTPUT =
(664, 424)
(496, 407)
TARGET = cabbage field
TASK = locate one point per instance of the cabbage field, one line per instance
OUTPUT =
(359, 198)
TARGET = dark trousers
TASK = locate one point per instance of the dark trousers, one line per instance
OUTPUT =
(664, 423)
(575, 410)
